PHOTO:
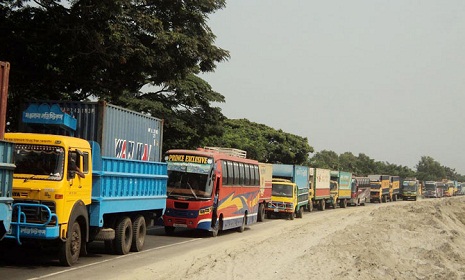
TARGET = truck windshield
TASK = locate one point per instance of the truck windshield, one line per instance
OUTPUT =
(430, 187)
(409, 186)
(39, 162)
(282, 190)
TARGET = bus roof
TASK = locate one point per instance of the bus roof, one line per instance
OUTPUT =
(211, 153)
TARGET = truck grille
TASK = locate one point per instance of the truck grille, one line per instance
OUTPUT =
(35, 214)
(280, 205)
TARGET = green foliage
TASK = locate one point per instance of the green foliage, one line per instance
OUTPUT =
(361, 165)
(73, 50)
(185, 107)
(262, 143)
(427, 169)
(430, 170)
(325, 159)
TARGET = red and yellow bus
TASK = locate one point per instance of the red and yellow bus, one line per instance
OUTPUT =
(211, 189)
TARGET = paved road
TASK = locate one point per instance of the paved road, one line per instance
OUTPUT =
(31, 262)
(28, 262)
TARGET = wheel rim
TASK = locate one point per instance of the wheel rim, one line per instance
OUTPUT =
(75, 241)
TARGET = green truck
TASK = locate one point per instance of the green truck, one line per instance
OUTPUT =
(410, 188)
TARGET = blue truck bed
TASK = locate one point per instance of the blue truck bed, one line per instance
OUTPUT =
(121, 185)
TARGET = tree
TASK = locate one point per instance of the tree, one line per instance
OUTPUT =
(73, 50)
(430, 170)
(325, 159)
(262, 143)
(348, 162)
(185, 107)
(366, 165)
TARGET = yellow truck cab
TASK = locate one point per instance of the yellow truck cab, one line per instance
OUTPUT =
(43, 175)
(47, 190)
(283, 198)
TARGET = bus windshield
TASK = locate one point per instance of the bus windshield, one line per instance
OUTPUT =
(281, 190)
(39, 162)
(189, 180)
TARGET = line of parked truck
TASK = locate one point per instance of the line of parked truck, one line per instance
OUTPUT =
(91, 171)
(297, 188)
(123, 189)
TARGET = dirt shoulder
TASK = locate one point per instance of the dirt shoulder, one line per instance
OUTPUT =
(400, 240)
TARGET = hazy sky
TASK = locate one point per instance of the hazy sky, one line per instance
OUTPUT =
(384, 78)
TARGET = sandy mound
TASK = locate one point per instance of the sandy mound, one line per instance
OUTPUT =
(403, 240)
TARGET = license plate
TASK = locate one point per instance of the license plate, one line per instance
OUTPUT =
(180, 225)
(276, 210)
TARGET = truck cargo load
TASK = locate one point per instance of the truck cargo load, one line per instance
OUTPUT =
(120, 132)
(320, 185)
(394, 188)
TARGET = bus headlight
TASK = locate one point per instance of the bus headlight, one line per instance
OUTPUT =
(205, 211)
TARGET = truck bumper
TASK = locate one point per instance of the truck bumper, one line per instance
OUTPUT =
(21, 228)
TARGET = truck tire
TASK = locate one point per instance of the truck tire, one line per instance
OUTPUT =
(70, 249)
(109, 246)
(321, 205)
(343, 203)
(261, 212)
(123, 238)
(310, 206)
(169, 230)
(139, 231)
(300, 212)
(292, 215)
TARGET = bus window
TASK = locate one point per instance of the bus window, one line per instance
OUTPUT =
(224, 172)
(241, 173)
(256, 175)
(236, 180)
(247, 174)
(230, 173)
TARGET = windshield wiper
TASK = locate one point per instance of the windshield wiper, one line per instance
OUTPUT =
(192, 190)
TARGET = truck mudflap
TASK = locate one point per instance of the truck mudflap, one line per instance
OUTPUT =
(21, 228)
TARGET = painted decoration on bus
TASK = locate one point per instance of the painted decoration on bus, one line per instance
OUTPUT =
(240, 203)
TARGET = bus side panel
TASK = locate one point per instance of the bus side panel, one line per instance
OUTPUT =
(235, 201)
